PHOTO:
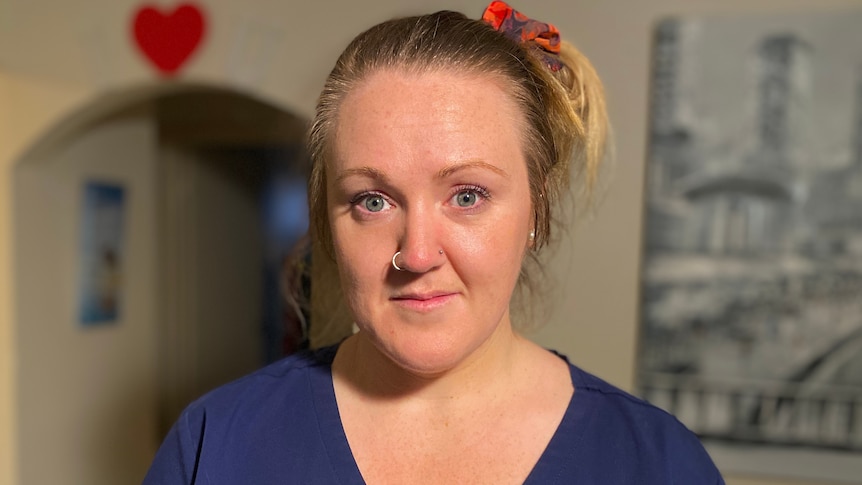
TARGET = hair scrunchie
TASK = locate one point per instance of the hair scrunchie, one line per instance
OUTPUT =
(522, 29)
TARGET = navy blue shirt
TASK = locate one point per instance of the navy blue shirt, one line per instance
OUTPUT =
(280, 425)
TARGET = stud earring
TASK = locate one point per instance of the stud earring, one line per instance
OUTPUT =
(532, 235)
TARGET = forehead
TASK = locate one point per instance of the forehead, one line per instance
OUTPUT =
(394, 117)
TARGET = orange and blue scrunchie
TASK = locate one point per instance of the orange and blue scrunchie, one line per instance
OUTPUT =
(525, 30)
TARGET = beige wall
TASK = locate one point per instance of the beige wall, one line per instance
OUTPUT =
(19, 124)
(85, 396)
(597, 269)
(80, 50)
(596, 304)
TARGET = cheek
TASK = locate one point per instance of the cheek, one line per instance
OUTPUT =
(353, 275)
(348, 247)
(493, 252)
(361, 256)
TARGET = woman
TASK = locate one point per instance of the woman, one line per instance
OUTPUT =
(439, 146)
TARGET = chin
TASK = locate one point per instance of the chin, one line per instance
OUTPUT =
(425, 353)
(429, 344)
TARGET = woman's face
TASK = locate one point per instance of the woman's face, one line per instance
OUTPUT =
(424, 163)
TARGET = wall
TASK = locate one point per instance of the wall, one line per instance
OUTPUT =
(212, 280)
(231, 289)
(596, 269)
(212, 171)
(30, 105)
(85, 394)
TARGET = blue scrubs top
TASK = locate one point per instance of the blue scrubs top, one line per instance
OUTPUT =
(280, 425)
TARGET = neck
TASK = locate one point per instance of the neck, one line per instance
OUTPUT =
(369, 372)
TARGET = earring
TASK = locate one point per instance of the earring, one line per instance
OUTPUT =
(532, 235)
(441, 252)
(394, 264)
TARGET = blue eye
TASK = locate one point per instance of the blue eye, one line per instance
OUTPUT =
(375, 203)
(466, 198)
(470, 195)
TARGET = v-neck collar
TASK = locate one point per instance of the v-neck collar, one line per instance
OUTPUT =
(549, 469)
(552, 466)
(329, 421)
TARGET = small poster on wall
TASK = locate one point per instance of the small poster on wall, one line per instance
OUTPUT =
(751, 307)
(101, 256)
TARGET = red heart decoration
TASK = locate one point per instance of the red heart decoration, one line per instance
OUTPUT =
(169, 39)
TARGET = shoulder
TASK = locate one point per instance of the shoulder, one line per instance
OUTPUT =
(283, 389)
(643, 439)
(621, 411)
(270, 384)
(219, 434)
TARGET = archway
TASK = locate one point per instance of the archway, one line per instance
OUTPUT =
(191, 283)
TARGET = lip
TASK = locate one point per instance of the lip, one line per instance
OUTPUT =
(424, 302)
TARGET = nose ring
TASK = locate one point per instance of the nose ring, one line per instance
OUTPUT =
(398, 253)
(394, 264)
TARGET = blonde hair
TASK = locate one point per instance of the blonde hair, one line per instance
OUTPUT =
(565, 121)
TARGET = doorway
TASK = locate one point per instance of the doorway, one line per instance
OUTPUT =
(206, 177)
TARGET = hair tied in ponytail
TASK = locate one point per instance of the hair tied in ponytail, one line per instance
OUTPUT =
(522, 29)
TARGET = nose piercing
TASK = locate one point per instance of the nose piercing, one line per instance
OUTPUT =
(398, 253)
(395, 265)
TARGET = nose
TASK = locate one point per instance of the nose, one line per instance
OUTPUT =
(420, 242)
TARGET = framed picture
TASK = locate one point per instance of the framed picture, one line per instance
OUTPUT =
(101, 254)
(751, 308)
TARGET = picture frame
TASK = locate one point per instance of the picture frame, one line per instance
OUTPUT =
(103, 220)
(751, 281)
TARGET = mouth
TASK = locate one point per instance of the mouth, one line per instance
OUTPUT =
(423, 301)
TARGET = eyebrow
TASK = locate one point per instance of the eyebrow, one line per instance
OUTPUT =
(361, 171)
(443, 173)
(458, 166)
